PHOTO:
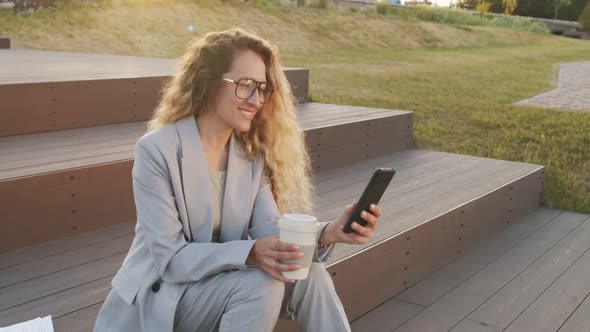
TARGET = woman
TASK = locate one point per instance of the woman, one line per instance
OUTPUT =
(223, 158)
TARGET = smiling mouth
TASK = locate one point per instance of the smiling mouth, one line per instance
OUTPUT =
(247, 114)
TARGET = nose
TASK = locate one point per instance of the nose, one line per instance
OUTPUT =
(255, 99)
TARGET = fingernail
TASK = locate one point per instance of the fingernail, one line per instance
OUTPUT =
(373, 206)
(364, 213)
(297, 248)
(300, 255)
(292, 281)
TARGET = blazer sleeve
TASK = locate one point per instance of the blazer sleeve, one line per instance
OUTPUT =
(176, 259)
(265, 217)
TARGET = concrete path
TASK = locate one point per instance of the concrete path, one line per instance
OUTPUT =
(573, 89)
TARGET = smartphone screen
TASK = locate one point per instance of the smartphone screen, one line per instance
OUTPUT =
(371, 195)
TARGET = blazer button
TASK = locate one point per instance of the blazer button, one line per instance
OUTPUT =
(156, 287)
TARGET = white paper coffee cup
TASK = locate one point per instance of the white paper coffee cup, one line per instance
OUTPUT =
(302, 230)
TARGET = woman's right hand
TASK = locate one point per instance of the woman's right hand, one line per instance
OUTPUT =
(267, 254)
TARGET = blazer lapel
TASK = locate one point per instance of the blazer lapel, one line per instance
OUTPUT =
(236, 199)
(195, 182)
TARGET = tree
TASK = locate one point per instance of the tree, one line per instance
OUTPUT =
(559, 3)
(509, 6)
(585, 18)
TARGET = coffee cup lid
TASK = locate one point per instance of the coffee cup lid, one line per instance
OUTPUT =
(299, 222)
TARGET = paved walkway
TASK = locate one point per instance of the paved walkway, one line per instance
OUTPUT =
(573, 89)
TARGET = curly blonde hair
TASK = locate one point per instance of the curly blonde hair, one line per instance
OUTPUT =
(274, 133)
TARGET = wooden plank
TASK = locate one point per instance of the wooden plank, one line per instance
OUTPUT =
(389, 266)
(510, 301)
(579, 320)
(405, 180)
(4, 43)
(39, 107)
(559, 301)
(60, 303)
(436, 285)
(424, 202)
(449, 310)
(336, 178)
(55, 247)
(79, 321)
(386, 317)
(469, 325)
(59, 281)
(428, 202)
(35, 269)
(64, 204)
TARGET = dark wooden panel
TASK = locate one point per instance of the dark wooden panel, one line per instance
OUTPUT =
(46, 249)
(64, 204)
(510, 301)
(558, 302)
(386, 317)
(469, 325)
(399, 261)
(59, 281)
(78, 321)
(456, 305)
(578, 321)
(60, 303)
(299, 80)
(23, 272)
(433, 287)
(4, 43)
(40, 107)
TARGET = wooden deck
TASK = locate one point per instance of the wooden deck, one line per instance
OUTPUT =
(70, 278)
(533, 276)
(30, 154)
(46, 91)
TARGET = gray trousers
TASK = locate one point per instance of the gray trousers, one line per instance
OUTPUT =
(252, 301)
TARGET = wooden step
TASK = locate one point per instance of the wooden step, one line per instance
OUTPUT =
(438, 207)
(60, 182)
(4, 43)
(47, 91)
(532, 276)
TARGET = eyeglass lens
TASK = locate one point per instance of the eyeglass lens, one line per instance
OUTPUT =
(245, 89)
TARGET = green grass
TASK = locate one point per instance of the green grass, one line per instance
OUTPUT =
(460, 79)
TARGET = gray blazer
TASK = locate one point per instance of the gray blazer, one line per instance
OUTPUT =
(172, 245)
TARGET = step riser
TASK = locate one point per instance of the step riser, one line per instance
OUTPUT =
(346, 144)
(4, 43)
(67, 203)
(44, 202)
(369, 278)
(49, 106)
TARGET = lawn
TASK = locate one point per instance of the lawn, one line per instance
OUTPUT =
(461, 80)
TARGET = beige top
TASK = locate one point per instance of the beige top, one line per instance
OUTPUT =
(217, 182)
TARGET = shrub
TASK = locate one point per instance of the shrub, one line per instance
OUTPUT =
(483, 7)
(381, 8)
(585, 18)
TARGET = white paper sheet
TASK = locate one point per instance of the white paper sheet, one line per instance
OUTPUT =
(34, 325)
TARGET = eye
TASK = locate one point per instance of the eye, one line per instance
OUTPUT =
(246, 83)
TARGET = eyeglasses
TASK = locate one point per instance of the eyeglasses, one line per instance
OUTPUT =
(245, 88)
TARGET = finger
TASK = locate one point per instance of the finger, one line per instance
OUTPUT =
(370, 219)
(376, 210)
(288, 255)
(280, 267)
(284, 246)
(364, 231)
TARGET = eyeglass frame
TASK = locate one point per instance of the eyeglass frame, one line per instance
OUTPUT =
(258, 84)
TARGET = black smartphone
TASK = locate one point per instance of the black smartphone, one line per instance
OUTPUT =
(371, 195)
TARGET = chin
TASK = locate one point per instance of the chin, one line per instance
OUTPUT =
(242, 127)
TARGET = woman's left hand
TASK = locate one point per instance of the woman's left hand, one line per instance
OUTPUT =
(334, 231)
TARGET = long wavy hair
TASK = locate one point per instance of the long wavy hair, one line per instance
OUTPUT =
(274, 132)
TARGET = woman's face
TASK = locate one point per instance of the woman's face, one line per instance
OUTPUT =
(236, 113)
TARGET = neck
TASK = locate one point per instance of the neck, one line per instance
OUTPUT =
(213, 133)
